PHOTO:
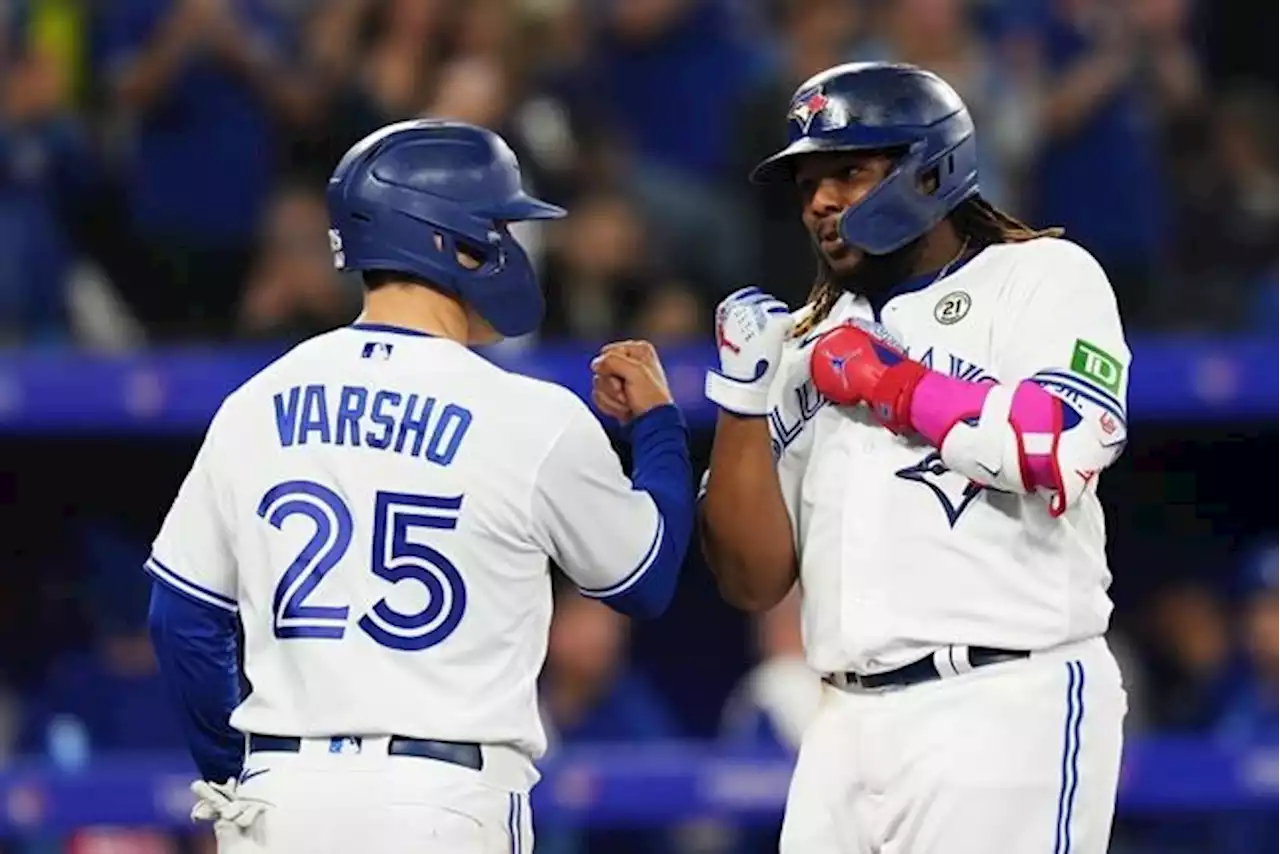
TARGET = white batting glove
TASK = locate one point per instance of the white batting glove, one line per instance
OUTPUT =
(218, 802)
(751, 327)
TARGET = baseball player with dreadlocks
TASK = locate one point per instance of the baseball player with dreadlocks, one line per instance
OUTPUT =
(919, 447)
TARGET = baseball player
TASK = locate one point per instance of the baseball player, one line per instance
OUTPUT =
(378, 508)
(919, 446)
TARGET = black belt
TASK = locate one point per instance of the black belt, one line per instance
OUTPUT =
(464, 753)
(925, 669)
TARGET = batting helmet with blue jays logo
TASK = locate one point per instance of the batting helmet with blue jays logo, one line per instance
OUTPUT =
(864, 106)
(409, 197)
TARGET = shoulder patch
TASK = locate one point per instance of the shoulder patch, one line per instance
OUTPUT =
(1094, 363)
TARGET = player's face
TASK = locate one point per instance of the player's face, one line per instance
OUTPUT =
(829, 183)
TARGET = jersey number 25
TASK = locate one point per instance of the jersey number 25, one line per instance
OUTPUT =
(394, 558)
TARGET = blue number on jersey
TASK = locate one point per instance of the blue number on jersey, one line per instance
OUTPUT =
(293, 617)
(395, 558)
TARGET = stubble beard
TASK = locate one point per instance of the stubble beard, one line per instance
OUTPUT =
(874, 275)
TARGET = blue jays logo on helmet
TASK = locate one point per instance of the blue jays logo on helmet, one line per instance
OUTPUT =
(896, 108)
(807, 106)
(414, 196)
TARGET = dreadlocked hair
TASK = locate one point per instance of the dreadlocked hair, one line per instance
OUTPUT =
(976, 221)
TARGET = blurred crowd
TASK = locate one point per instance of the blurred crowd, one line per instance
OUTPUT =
(162, 162)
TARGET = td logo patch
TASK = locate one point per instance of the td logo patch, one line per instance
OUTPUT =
(1091, 361)
(952, 308)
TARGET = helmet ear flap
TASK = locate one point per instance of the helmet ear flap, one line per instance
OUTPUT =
(915, 196)
(504, 290)
(895, 212)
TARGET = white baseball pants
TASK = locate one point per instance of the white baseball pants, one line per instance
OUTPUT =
(1019, 757)
(366, 802)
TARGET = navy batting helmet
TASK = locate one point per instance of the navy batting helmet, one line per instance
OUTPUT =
(885, 106)
(407, 198)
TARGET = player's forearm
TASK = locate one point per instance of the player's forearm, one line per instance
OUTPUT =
(195, 645)
(746, 532)
(661, 468)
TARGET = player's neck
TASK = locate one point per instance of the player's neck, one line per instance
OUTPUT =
(942, 247)
(417, 308)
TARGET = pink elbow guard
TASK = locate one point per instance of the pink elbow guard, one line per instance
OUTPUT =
(1036, 416)
(1036, 419)
(941, 402)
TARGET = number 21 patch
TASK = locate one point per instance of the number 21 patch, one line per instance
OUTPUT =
(1090, 360)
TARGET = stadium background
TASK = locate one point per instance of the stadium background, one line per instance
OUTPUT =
(162, 235)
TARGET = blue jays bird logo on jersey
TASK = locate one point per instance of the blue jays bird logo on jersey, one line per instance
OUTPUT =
(954, 492)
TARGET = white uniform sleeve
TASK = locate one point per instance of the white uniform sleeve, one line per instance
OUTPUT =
(1062, 329)
(587, 517)
(192, 553)
(1059, 329)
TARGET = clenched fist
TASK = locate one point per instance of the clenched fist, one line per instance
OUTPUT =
(861, 362)
(628, 380)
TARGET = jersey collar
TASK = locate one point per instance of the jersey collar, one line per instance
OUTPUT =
(390, 329)
(919, 283)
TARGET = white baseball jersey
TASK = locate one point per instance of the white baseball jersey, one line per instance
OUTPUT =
(380, 506)
(899, 555)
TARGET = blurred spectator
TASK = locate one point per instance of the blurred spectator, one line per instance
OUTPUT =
(588, 692)
(597, 270)
(772, 705)
(108, 698)
(1192, 655)
(1227, 216)
(670, 313)
(1229, 229)
(667, 73)
(1249, 711)
(811, 35)
(10, 721)
(1248, 716)
(373, 63)
(775, 701)
(293, 290)
(940, 35)
(474, 90)
(567, 142)
(110, 840)
(485, 29)
(1117, 77)
(399, 67)
(45, 167)
(200, 86)
(589, 695)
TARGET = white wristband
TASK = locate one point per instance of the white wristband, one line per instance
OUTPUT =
(740, 398)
